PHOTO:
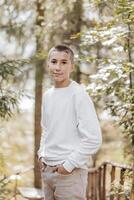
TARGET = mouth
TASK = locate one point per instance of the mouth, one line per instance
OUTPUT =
(57, 74)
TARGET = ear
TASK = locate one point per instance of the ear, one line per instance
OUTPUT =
(72, 67)
(47, 63)
(47, 66)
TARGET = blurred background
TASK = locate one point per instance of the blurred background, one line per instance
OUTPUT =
(101, 34)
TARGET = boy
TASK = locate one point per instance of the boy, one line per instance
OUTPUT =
(71, 131)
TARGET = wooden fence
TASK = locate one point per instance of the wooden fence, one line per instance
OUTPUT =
(102, 179)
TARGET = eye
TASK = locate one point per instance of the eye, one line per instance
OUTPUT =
(53, 61)
(64, 62)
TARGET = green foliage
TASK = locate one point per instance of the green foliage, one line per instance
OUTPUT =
(108, 46)
(9, 70)
(105, 44)
(122, 191)
(7, 103)
(113, 82)
(4, 190)
(8, 187)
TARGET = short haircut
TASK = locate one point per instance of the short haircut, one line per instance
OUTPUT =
(61, 48)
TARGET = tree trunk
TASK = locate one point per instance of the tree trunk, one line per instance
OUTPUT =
(131, 75)
(74, 19)
(38, 97)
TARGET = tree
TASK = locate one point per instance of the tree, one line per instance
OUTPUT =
(39, 32)
(38, 92)
(9, 70)
(113, 83)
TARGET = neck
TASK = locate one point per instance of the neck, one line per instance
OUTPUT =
(62, 84)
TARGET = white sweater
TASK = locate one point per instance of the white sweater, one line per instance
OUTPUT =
(71, 131)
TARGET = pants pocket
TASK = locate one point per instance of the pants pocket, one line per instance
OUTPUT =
(64, 175)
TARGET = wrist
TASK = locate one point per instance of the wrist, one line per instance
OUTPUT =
(68, 166)
(41, 159)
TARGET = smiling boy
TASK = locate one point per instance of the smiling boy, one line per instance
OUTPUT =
(71, 131)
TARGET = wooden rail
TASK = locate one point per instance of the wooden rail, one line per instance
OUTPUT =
(101, 179)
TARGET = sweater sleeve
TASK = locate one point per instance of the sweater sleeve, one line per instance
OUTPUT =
(88, 130)
(41, 148)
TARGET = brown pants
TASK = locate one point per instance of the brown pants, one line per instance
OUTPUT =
(64, 187)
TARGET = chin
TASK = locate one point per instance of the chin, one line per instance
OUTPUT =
(58, 80)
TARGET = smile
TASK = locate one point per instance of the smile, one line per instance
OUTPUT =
(56, 74)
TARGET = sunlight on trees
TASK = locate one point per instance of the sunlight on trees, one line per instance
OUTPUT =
(101, 35)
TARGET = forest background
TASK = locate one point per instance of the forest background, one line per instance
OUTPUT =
(101, 33)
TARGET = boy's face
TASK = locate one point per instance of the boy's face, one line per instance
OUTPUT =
(60, 66)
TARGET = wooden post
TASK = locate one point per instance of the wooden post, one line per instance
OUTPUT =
(112, 179)
(104, 182)
(100, 183)
(122, 172)
(88, 186)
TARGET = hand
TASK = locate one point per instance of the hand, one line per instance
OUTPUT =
(61, 170)
(42, 165)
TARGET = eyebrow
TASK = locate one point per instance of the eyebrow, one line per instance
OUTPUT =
(61, 60)
(64, 60)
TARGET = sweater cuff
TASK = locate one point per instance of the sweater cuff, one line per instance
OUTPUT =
(40, 154)
(68, 166)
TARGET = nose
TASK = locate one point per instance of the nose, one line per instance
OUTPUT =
(57, 67)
